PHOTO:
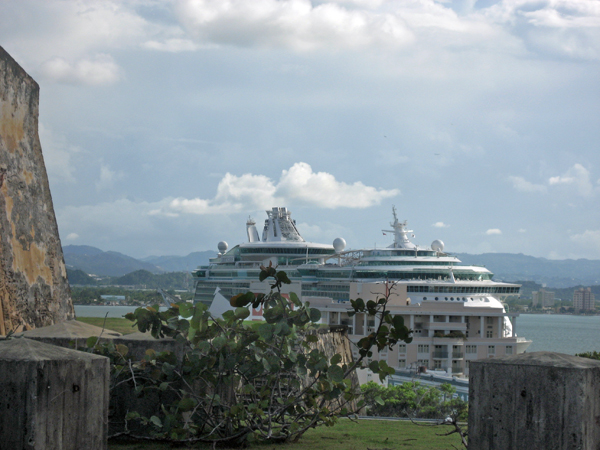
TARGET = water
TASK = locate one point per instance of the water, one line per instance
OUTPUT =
(560, 333)
(549, 332)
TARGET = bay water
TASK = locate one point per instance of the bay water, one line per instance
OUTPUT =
(549, 332)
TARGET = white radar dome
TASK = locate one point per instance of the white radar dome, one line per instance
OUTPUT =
(437, 245)
(222, 246)
(339, 244)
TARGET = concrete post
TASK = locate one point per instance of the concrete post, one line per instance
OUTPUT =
(52, 398)
(533, 401)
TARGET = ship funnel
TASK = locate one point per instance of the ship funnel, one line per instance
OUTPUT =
(252, 231)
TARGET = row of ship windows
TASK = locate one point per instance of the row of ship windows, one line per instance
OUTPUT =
(466, 289)
(283, 250)
(406, 263)
(412, 275)
(246, 274)
(401, 253)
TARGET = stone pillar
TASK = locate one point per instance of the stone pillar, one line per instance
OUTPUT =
(482, 327)
(34, 290)
(52, 398)
(533, 401)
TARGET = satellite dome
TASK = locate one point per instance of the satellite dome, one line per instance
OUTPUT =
(437, 245)
(339, 244)
(222, 246)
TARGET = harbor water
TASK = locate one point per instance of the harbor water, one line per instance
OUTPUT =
(549, 332)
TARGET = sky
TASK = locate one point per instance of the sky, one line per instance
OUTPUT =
(166, 124)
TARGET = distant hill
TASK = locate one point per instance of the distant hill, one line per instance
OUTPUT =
(561, 273)
(95, 261)
(147, 280)
(79, 278)
(181, 263)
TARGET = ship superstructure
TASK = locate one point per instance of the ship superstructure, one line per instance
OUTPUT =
(455, 310)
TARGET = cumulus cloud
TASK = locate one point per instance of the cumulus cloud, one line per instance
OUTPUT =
(493, 231)
(296, 24)
(440, 225)
(521, 184)
(298, 185)
(577, 176)
(561, 27)
(96, 71)
(589, 238)
(72, 236)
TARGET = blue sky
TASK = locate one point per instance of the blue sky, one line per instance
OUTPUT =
(165, 124)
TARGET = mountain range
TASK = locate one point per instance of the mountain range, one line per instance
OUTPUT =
(92, 260)
(506, 266)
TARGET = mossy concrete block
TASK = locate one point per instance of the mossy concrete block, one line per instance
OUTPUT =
(539, 400)
(52, 397)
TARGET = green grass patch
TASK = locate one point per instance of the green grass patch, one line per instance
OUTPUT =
(120, 325)
(349, 435)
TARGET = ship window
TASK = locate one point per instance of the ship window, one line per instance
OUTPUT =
(509, 350)
(491, 349)
(437, 298)
(424, 298)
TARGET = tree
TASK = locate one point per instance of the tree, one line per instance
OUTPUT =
(239, 382)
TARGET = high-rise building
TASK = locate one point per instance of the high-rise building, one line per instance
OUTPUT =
(583, 300)
(543, 297)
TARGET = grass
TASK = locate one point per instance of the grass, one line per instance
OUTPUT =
(349, 435)
(115, 324)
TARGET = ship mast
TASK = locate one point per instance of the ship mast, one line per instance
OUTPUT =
(400, 233)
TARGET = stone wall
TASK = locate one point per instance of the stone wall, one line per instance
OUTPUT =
(34, 290)
(530, 401)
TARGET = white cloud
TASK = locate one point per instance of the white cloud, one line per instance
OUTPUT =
(522, 230)
(577, 176)
(321, 189)
(520, 184)
(173, 45)
(296, 24)
(298, 185)
(96, 71)
(587, 239)
(440, 225)
(107, 177)
(57, 155)
(564, 27)
(72, 236)
(493, 231)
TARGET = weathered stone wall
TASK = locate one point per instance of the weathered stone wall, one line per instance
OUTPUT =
(34, 290)
(531, 401)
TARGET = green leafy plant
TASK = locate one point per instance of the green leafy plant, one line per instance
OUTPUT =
(238, 382)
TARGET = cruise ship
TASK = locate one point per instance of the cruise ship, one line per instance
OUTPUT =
(455, 311)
